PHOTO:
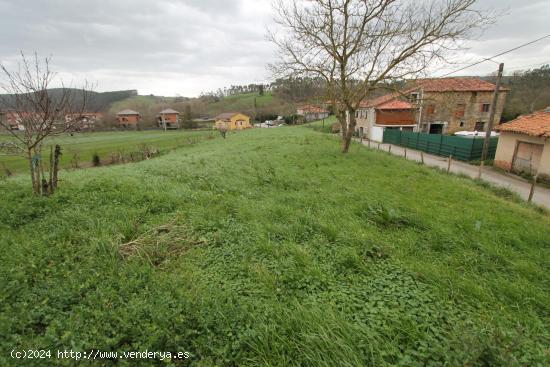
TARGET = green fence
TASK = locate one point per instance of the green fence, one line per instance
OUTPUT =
(462, 148)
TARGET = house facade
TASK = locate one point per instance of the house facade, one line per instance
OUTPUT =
(128, 118)
(449, 105)
(169, 119)
(439, 106)
(312, 113)
(524, 145)
(387, 112)
(232, 121)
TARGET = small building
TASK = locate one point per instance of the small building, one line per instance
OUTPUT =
(232, 121)
(524, 145)
(168, 119)
(386, 112)
(312, 113)
(128, 118)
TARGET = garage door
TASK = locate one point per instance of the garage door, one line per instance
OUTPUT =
(527, 157)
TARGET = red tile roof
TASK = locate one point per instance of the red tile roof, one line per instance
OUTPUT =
(312, 109)
(456, 85)
(535, 124)
(387, 102)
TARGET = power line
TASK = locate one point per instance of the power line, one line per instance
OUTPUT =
(500, 54)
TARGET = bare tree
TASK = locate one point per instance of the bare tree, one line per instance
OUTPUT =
(34, 112)
(358, 45)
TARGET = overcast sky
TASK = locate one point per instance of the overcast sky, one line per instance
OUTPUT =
(169, 47)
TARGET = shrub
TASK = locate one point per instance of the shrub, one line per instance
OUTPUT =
(96, 161)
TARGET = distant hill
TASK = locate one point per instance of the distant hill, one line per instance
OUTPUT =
(98, 101)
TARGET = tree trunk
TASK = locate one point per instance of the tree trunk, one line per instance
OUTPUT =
(55, 168)
(347, 135)
(35, 189)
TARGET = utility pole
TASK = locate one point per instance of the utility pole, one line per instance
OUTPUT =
(492, 115)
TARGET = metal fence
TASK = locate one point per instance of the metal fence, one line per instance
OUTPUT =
(461, 148)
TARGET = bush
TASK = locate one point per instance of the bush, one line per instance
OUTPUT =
(96, 161)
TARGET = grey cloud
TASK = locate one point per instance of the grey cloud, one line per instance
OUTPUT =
(168, 47)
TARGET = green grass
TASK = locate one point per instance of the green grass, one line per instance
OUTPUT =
(270, 248)
(82, 146)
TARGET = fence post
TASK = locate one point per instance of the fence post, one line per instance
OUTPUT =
(378, 146)
(389, 149)
(422, 157)
(480, 169)
(405, 152)
(449, 163)
(532, 191)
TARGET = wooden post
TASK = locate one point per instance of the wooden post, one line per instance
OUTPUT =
(532, 191)
(449, 163)
(489, 128)
(378, 146)
(422, 157)
(481, 164)
(405, 153)
(389, 149)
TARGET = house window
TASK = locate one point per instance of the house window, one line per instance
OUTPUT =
(460, 110)
(461, 123)
(480, 126)
(430, 109)
(485, 107)
(415, 96)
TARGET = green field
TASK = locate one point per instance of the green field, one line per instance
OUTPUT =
(82, 146)
(270, 248)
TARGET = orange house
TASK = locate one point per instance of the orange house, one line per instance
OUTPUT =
(128, 118)
(168, 119)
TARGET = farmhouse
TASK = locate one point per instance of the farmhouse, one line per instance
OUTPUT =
(524, 145)
(169, 119)
(438, 106)
(128, 118)
(232, 121)
(312, 113)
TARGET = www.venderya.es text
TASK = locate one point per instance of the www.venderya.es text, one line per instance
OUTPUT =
(95, 354)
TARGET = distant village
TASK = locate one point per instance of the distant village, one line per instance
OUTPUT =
(458, 106)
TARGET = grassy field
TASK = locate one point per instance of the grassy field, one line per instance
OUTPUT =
(82, 146)
(270, 248)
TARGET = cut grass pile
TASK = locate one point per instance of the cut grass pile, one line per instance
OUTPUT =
(270, 248)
